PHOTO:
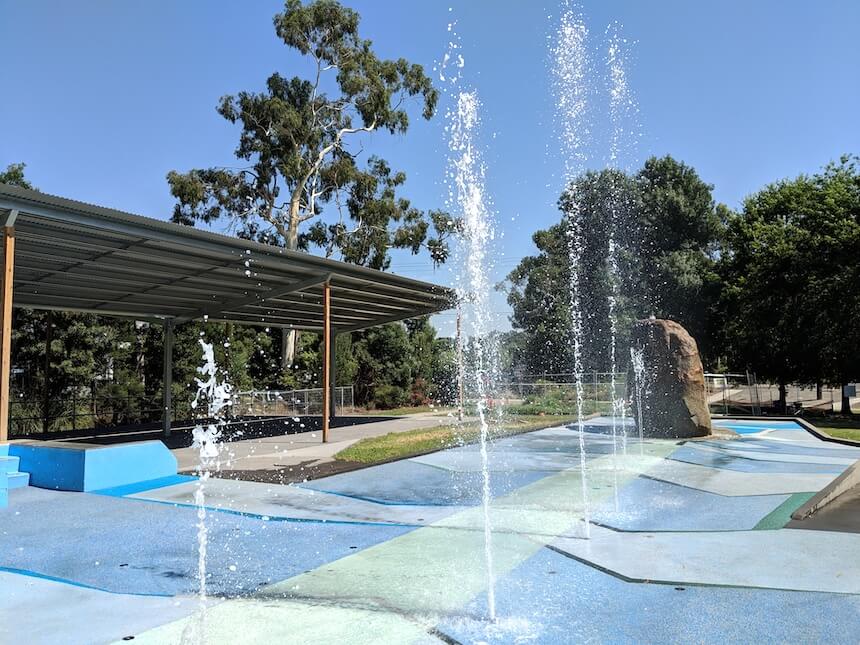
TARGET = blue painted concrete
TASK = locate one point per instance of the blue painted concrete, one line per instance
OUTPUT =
(553, 599)
(752, 427)
(816, 449)
(408, 482)
(17, 480)
(89, 468)
(133, 546)
(650, 505)
(8, 464)
(724, 461)
(4, 490)
(149, 484)
(50, 467)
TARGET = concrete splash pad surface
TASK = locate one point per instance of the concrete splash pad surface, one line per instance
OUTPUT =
(341, 567)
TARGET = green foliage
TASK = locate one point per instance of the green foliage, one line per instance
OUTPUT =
(387, 396)
(667, 232)
(792, 258)
(295, 136)
(14, 176)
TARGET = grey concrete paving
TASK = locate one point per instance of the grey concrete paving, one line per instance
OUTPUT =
(779, 559)
(76, 614)
(268, 453)
(275, 501)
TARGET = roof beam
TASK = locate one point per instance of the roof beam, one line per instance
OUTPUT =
(388, 319)
(219, 308)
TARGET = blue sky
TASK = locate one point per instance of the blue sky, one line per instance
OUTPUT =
(102, 98)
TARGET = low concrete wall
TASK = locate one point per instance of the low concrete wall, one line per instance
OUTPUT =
(88, 467)
(842, 484)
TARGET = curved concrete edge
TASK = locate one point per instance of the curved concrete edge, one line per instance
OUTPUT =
(803, 423)
(842, 484)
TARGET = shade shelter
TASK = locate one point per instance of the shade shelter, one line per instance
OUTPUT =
(64, 255)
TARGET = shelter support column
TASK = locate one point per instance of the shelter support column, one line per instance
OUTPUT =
(6, 320)
(167, 378)
(327, 360)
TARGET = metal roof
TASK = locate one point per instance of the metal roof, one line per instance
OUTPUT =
(73, 256)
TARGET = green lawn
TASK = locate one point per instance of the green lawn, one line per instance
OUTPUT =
(398, 445)
(840, 428)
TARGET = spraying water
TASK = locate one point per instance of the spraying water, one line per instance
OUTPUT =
(467, 175)
(570, 67)
(621, 107)
(217, 395)
(465, 179)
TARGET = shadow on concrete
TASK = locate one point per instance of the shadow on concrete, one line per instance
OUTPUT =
(236, 429)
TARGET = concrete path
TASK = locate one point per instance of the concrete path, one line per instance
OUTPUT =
(270, 453)
(678, 552)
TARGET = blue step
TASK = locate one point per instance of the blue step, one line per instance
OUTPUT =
(9, 464)
(18, 480)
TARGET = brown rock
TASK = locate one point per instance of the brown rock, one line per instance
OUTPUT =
(673, 384)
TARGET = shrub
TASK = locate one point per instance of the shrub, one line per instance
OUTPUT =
(386, 397)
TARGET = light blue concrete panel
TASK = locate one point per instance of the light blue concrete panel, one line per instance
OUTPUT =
(649, 505)
(128, 463)
(8, 464)
(408, 482)
(133, 546)
(551, 599)
(689, 454)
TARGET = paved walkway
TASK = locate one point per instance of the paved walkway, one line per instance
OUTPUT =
(688, 542)
(305, 448)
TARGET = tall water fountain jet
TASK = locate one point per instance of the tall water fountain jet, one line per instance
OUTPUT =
(570, 68)
(467, 175)
(622, 109)
(217, 395)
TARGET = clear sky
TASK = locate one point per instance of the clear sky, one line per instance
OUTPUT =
(102, 98)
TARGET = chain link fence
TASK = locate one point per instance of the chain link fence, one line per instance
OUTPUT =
(86, 409)
(284, 403)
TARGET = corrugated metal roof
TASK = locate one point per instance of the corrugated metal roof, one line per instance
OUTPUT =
(74, 256)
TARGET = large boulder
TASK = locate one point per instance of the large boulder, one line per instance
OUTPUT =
(671, 381)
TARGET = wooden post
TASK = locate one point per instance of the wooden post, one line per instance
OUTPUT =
(460, 392)
(326, 380)
(6, 322)
(167, 378)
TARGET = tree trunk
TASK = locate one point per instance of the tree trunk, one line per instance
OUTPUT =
(846, 401)
(783, 396)
(818, 388)
(288, 336)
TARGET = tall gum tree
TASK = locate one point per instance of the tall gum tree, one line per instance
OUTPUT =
(300, 141)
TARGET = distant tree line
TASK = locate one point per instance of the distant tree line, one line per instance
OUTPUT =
(772, 288)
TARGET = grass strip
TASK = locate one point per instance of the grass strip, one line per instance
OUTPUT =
(399, 445)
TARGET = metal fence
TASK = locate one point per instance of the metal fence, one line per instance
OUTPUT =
(596, 386)
(274, 403)
(743, 394)
(86, 409)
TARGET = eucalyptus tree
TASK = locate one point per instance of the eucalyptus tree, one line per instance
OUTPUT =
(300, 144)
(14, 176)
